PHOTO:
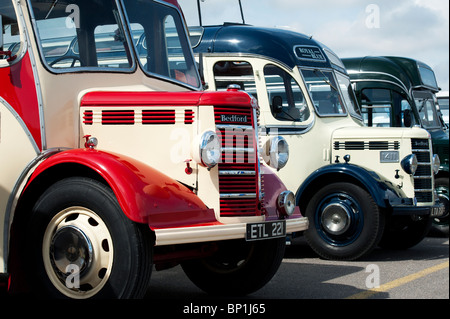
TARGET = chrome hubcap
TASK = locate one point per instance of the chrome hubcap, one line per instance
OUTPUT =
(70, 247)
(443, 196)
(77, 252)
(336, 219)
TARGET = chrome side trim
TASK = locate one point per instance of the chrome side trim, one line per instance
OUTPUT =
(399, 82)
(17, 190)
(230, 126)
(238, 150)
(245, 173)
(36, 77)
(242, 195)
(22, 124)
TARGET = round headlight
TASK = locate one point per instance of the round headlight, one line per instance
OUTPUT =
(436, 164)
(286, 203)
(279, 152)
(409, 164)
(210, 149)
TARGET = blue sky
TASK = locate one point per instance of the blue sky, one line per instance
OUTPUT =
(417, 29)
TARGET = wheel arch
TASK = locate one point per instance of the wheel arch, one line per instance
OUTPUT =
(349, 173)
(144, 194)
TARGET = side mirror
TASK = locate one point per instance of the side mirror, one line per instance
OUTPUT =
(407, 118)
(277, 104)
(4, 55)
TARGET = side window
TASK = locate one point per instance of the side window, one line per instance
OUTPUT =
(348, 95)
(427, 109)
(178, 67)
(10, 38)
(235, 72)
(405, 116)
(159, 38)
(386, 108)
(81, 34)
(287, 102)
(376, 107)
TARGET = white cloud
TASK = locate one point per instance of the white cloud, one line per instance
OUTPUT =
(413, 28)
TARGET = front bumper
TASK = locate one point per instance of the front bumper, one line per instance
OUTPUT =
(436, 210)
(216, 232)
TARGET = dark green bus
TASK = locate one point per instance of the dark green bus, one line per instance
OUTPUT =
(401, 92)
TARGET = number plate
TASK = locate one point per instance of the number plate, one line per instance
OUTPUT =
(267, 230)
(436, 211)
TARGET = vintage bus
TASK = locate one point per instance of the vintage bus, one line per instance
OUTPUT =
(113, 161)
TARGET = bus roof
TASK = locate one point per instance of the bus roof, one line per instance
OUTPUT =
(406, 72)
(291, 48)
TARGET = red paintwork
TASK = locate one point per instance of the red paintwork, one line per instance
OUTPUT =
(144, 194)
(139, 99)
(19, 90)
(175, 3)
(273, 186)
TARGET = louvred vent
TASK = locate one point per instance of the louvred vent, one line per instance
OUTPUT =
(158, 117)
(188, 117)
(88, 118)
(118, 117)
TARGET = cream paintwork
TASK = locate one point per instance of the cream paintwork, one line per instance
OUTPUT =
(233, 230)
(134, 139)
(313, 149)
(60, 96)
(370, 159)
(16, 152)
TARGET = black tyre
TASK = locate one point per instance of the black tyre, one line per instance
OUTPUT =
(238, 267)
(440, 224)
(403, 232)
(82, 245)
(345, 222)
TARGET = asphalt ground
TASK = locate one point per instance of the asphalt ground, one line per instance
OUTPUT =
(386, 282)
(411, 280)
(421, 272)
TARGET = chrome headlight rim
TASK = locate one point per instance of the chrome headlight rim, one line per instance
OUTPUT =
(436, 164)
(286, 203)
(210, 149)
(279, 152)
(409, 164)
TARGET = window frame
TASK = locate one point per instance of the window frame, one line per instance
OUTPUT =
(332, 72)
(433, 109)
(188, 49)
(290, 96)
(90, 69)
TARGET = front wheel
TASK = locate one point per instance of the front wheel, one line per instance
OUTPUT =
(83, 246)
(440, 224)
(345, 222)
(238, 267)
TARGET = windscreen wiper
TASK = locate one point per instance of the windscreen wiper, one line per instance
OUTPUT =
(325, 78)
(51, 9)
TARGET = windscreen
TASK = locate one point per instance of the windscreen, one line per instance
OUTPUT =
(324, 92)
(443, 104)
(93, 35)
(427, 109)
